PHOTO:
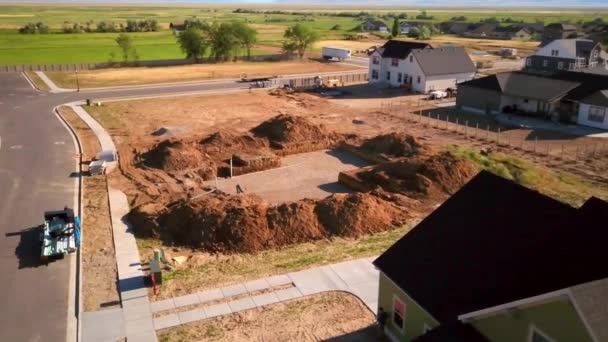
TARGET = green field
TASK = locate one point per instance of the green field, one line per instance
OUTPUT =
(96, 47)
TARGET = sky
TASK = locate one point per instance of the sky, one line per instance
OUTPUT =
(369, 3)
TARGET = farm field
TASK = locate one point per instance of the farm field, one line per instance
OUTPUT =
(96, 47)
(148, 75)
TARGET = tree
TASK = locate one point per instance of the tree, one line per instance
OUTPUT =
(125, 43)
(246, 35)
(223, 40)
(298, 38)
(193, 43)
(424, 33)
(395, 31)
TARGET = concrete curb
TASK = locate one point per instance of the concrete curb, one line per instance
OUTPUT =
(34, 86)
(79, 200)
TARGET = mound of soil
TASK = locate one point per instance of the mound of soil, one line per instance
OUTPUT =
(423, 177)
(177, 155)
(290, 129)
(392, 145)
(222, 145)
(221, 222)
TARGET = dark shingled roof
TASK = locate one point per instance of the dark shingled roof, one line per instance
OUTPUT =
(495, 242)
(567, 84)
(599, 98)
(524, 85)
(400, 49)
(452, 332)
(444, 61)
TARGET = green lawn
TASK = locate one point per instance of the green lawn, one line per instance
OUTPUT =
(563, 186)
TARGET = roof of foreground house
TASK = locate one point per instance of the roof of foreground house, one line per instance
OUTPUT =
(495, 242)
(400, 49)
(444, 61)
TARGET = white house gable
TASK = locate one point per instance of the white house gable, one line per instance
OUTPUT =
(562, 48)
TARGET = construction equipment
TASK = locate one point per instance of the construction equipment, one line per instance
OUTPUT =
(60, 233)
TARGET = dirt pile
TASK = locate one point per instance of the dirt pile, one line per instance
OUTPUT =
(392, 145)
(177, 156)
(221, 222)
(295, 134)
(420, 177)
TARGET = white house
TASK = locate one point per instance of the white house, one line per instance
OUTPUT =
(420, 67)
(593, 110)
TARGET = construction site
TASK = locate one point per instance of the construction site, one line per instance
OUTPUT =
(234, 186)
(269, 178)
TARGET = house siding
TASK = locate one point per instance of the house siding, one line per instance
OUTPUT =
(443, 82)
(583, 115)
(558, 319)
(415, 317)
(481, 100)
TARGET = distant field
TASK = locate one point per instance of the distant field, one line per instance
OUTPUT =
(96, 47)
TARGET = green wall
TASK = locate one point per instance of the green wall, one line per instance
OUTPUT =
(558, 319)
(415, 317)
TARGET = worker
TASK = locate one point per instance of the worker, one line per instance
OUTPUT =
(239, 190)
(381, 318)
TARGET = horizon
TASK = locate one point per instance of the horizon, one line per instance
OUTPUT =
(363, 4)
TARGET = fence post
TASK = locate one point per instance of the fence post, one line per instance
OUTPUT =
(498, 137)
(535, 143)
(476, 129)
(456, 124)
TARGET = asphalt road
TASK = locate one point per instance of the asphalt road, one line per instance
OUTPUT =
(37, 159)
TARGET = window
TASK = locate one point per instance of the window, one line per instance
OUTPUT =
(399, 77)
(398, 312)
(538, 336)
(571, 66)
(596, 114)
(526, 100)
(554, 52)
(545, 63)
(388, 75)
(375, 60)
(411, 59)
(418, 79)
(395, 61)
(528, 61)
(560, 65)
(374, 74)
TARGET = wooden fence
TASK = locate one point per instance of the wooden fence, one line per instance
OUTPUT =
(487, 130)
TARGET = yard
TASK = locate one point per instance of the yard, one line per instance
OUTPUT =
(320, 317)
(147, 75)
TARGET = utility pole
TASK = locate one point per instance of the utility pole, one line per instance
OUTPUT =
(77, 82)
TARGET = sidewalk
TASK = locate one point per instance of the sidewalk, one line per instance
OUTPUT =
(136, 324)
(52, 86)
(358, 277)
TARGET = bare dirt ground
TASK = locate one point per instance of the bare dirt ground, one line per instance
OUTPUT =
(98, 258)
(148, 75)
(248, 223)
(320, 317)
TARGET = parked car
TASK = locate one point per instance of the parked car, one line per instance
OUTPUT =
(438, 94)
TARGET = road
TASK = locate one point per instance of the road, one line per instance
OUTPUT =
(37, 159)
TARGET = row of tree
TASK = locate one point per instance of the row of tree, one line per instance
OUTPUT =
(146, 25)
(224, 41)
